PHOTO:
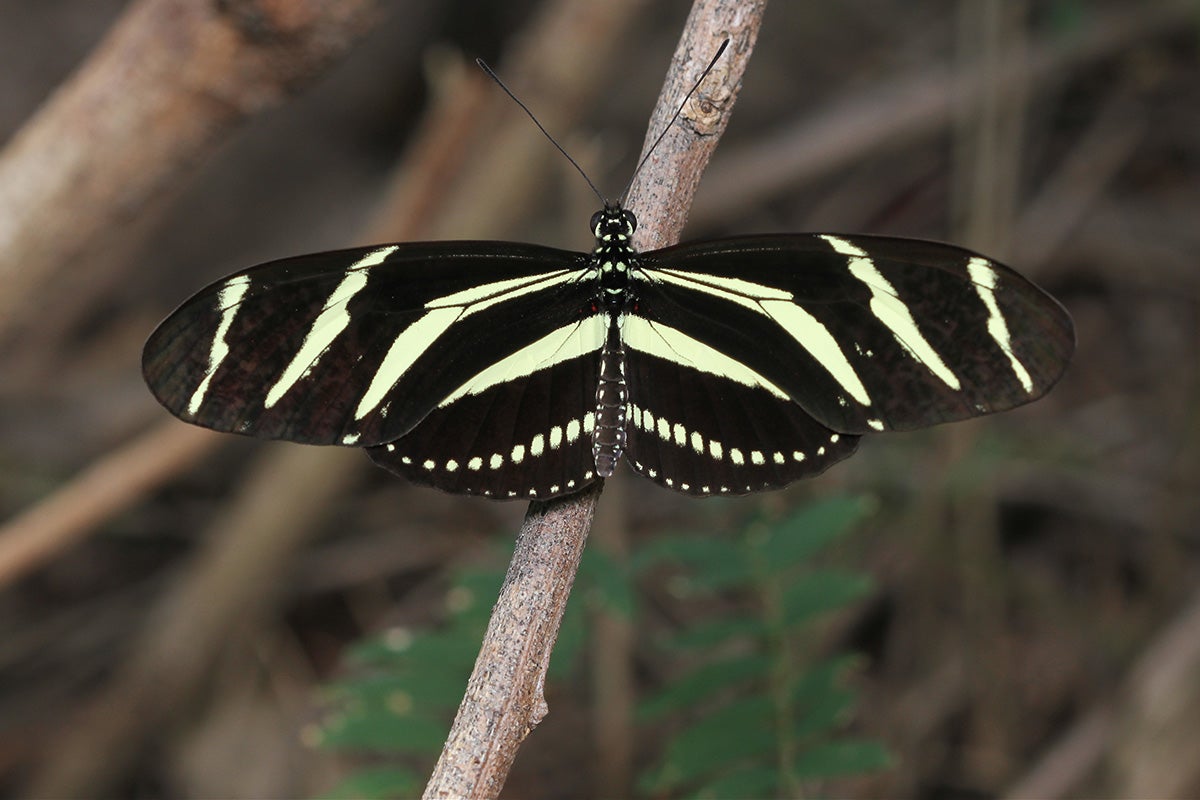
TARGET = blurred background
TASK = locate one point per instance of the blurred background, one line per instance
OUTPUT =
(172, 602)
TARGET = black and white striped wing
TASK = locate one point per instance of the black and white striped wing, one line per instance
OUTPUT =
(788, 347)
(357, 347)
(701, 433)
(524, 438)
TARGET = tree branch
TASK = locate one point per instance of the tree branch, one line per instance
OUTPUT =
(165, 86)
(504, 698)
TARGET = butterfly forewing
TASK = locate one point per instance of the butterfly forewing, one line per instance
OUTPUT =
(357, 346)
(864, 333)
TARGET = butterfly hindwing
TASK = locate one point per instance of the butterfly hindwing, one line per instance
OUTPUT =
(529, 437)
(703, 435)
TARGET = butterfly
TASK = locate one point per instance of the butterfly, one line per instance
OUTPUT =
(520, 371)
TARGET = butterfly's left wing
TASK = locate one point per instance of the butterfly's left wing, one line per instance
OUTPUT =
(357, 347)
(863, 333)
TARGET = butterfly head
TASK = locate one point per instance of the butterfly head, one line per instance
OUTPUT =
(613, 224)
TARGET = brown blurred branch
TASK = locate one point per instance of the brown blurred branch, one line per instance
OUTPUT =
(224, 590)
(504, 699)
(103, 489)
(896, 113)
(166, 85)
(1146, 735)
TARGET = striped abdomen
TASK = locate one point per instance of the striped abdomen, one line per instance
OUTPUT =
(612, 401)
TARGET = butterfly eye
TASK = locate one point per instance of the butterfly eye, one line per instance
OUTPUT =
(629, 219)
(596, 222)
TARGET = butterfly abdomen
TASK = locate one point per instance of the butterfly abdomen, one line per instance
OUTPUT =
(612, 402)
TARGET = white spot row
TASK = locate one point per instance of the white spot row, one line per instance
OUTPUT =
(536, 447)
(644, 419)
(684, 486)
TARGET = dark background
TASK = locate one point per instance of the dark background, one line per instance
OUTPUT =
(1035, 571)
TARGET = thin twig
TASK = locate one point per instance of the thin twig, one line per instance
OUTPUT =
(504, 698)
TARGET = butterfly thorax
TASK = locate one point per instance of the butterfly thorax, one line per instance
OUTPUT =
(614, 259)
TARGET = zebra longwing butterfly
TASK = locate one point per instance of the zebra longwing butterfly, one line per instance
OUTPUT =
(521, 371)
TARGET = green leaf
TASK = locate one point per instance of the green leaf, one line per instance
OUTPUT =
(742, 730)
(390, 732)
(823, 677)
(742, 782)
(822, 591)
(572, 635)
(607, 584)
(377, 783)
(705, 682)
(822, 713)
(842, 757)
(428, 687)
(713, 633)
(455, 647)
(700, 554)
(799, 537)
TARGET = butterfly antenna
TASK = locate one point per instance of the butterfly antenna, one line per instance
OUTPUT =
(483, 66)
(678, 111)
